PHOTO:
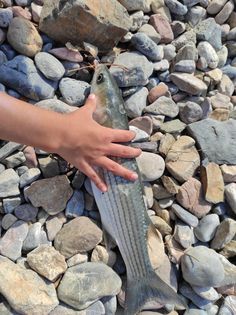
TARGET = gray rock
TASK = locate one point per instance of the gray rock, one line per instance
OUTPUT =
(74, 92)
(8, 220)
(150, 31)
(162, 65)
(184, 39)
(187, 52)
(2, 168)
(176, 7)
(183, 234)
(26, 212)
(190, 112)
(147, 46)
(135, 103)
(187, 66)
(3, 58)
(6, 15)
(151, 166)
(169, 52)
(188, 83)
(228, 306)
(31, 175)
(139, 69)
(51, 68)
(184, 215)
(53, 226)
(163, 106)
(195, 15)
(80, 292)
(174, 126)
(193, 310)
(229, 272)
(14, 160)
(12, 241)
(9, 204)
(96, 308)
(208, 30)
(9, 183)
(223, 55)
(206, 229)
(197, 272)
(8, 148)
(32, 239)
(230, 191)
(229, 71)
(224, 234)
(75, 206)
(215, 6)
(206, 51)
(226, 86)
(214, 139)
(56, 106)
(21, 75)
(110, 304)
(224, 14)
(207, 293)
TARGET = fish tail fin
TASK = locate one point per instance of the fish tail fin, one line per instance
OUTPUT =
(149, 288)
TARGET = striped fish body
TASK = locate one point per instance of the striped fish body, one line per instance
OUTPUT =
(122, 207)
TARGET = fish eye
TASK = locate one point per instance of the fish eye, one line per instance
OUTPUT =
(100, 78)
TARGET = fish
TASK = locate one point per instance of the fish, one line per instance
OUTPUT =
(122, 208)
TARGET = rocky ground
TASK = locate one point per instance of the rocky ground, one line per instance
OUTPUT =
(179, 94)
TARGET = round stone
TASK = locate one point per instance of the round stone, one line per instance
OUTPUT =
(151, 166)
(6, 16)
(191, 112)
(51, 68)
(74, 92)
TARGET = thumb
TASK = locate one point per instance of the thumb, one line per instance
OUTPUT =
(90, 105)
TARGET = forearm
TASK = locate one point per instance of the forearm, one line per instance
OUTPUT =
(24, 123)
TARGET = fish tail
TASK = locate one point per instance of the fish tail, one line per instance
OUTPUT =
(149, 288)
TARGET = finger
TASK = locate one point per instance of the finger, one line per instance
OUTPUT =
(90, 105)
(122, 135)
(122, 151)
(116, 168)
(90, 172)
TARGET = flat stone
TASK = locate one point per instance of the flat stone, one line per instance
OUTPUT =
(21, 75)
(163, 106)
(185, 215)
(224, 234)
(188, 83)
(14, 160)
(51, 68)
(213, 184)
(214, 139)
(139, 69)
(190, 112)
(182, 159)
(228, 173)
(187, 66)
(34, 297)
(51, 193)
(9, 204)
(29, 176)
(78, 236)
(74, 92)
(12, 241)
(174, 126)
(183, 234)
(9, 148)
(190, 196)
(24, 37)
(151, 166)
(206, 229)
(66, 54)
(100, 281)
(170, 184)
(60, 22)
(197, 272)
(53, 226)
(9, 183)
(135, 103)
(162, 26)
(215, 6)
(77, 259)
(39, 259)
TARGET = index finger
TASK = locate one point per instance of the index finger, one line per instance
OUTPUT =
(118, 135)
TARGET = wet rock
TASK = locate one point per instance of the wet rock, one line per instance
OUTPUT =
(9, 183)
(188, 83)
(24, 37)
(182, 159)
(47, 262)
(100, 281)
(34, 297)
(224, 234)
(151, 166)
(106, 18)
(197, 272)
(51, 193)
(78, 236)
(207, 227)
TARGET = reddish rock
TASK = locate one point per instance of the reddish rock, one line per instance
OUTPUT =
(158, 91)
(66, 54)
(162, 26)
(31, 158)
(20, 12)
(144, 123)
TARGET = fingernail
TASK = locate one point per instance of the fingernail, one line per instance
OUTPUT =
(134, 176)
(103, 188)
(92, 96)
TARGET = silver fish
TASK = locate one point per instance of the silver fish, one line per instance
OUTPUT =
(122, 207)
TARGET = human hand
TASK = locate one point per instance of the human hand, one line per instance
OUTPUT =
(87, 144)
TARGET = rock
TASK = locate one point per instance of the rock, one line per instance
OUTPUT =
(57, 106)
(185, 215)
(74, 92)
(220, 137)
(51, 68)
(207, 227)
(53, 226)
(229, 272)
(163, 106)
(9, 183)
(176, 7)
(220, 101)
(228, 173)
(26, 212)
(195, 15)
(224, 14)
(143, 123)
(187, 66)
(205, 50)
(110, 304)
(230, 190)
(34, 297)
(135, 104)
(226, 86)
(24, 37)
(8, 220)
(208, 30)
(169, 52)
(151, 166)
(228, 306)
(197, 272)
(190, 196)
(33, 238)
(175, 250)
(157, 91)
(20, 12)
(29, 176)
(229, 249)
(147, 46)
(162, 26)
(139, 69)
(21, 75)
(77, 259)
(213, 184)
(224, 234)
(161, 225)
(207, 293)
(14, 160)
(36, 11)
(215, 6)
(78, 236)
(100, 281)
(188, 83)
(49, 166)
(101, 254)
(174, 126)
(76, 204)
(39, 259)
(6, 17)
(9, 204)
(150, 31)
(51, 193)
(143, 5)
(166, 143)
(183, 234)
(66, 54)
(182, 159)
(60, 21)
(191, 112)
(12, 241)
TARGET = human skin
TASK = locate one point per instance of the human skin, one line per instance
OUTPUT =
(75, 136)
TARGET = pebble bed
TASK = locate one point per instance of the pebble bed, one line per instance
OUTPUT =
(180, 97)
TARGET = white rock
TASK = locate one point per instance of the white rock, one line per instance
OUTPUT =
(151, 166)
